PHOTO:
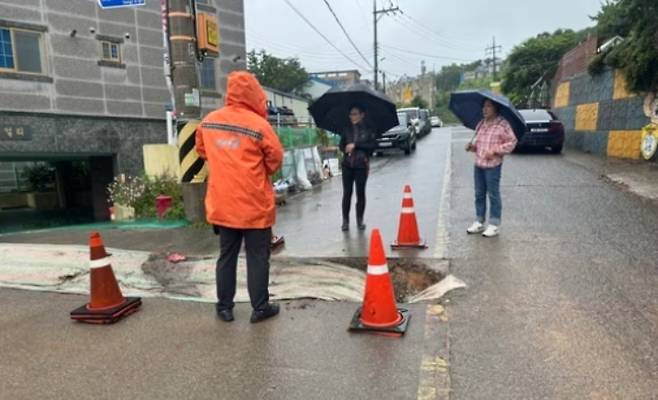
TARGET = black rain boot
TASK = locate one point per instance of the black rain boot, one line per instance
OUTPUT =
(360, 224)
(346, 225)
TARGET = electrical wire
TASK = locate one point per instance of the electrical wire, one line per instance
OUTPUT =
(347, 35)
(427, 55)
(309, 23)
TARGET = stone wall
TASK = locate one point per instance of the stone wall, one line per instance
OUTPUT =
(599, 114)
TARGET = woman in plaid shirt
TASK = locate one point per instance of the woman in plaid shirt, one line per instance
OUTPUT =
(494, 138)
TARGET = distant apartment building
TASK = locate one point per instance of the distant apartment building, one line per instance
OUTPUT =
(406, 88)
(80, 85)
(340, 78)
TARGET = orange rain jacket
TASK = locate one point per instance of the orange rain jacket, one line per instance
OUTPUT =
(242, 151)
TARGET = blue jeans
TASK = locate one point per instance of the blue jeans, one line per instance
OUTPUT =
(487, 182)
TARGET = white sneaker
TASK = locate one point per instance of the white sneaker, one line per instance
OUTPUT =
(492, 230)
(477, 227)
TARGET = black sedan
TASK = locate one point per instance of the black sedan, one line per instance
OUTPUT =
(544, 130)
(401, 137)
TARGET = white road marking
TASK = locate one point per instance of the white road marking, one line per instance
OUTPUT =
(442, 238)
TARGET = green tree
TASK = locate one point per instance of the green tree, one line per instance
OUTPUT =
(286, 75)
(477, 84)
(418, 101)
(535, 58)
(636, 22)
(449, 77)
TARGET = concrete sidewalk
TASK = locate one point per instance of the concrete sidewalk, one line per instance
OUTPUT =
(564, 304)
(637, 177)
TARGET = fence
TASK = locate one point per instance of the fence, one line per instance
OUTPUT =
(302, 164)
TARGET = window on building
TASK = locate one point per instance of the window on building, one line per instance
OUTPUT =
(21, 50)
(208, 78)
(203, 1)
(110, 51)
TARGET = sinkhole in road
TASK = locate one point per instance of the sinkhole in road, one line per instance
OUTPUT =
(330, 279)
(410, 276)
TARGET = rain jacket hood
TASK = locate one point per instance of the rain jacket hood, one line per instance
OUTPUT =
(245, 91)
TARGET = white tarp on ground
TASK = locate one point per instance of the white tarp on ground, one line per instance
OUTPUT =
(65, 269)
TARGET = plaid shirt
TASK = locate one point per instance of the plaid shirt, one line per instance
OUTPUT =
(496, 136)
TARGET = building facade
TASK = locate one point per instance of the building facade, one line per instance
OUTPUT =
(296, 104)
(340, 78)
(79, 83)
(405, 89)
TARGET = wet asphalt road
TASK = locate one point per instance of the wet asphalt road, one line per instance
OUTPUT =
(564, 305)
(180, 350)
(311, 222)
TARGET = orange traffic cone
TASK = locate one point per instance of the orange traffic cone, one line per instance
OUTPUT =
(379, 311)
(408, 231)
(107, 305)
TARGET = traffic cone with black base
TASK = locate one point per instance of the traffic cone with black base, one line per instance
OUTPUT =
(379, 312)
(408, 236)
(107, 305)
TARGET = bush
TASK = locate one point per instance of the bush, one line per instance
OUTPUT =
(125, 190)
(597, 65)
(154, 187)
(141, 193)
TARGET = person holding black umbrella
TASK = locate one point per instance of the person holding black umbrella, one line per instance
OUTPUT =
(357, 142)
(493, 139)
(359, 114)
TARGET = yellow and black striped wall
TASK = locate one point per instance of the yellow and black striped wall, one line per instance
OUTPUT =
(600, 115)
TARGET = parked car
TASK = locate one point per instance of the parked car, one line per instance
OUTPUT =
(401, 137)
(426, 124)
(544, 130)
(436, 122)
(415, 115)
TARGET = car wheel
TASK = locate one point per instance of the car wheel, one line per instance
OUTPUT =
(413, 146)
(556, 149)
(407, 147)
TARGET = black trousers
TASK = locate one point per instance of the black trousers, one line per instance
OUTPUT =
(257, 243)
(352, 176)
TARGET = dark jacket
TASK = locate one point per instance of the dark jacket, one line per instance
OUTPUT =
(365, 143)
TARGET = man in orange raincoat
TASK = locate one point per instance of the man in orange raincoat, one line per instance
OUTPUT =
(243, 152)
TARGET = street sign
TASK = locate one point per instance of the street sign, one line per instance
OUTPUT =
(104, 4)
(649, 141)
(15, 132)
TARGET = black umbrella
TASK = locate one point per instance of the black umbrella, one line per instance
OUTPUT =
(331, 110)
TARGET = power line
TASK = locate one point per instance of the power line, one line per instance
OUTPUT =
(493, 48)
(428, 55)
(375, 19)
(414, 28)
(256, 42)
(441, 37)
(363, 13)
(347, 34)
(309, 23)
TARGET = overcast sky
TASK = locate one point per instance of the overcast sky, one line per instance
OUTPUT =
(444, 31)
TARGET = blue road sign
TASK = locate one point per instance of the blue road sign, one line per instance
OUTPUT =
(119, 3)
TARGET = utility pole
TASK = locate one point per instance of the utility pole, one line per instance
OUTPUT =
(384, 79)
(184, 58)
(492, 50)
(376, 15)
